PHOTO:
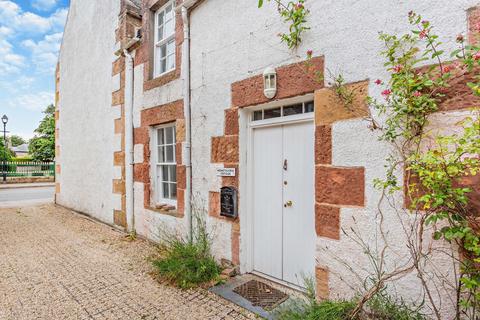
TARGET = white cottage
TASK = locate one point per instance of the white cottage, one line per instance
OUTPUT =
(161, 104)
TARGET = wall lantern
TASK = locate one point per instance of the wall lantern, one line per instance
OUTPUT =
(270, 83)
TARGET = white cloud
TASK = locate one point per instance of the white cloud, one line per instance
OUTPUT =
(44, 5)
(5, 32)
(16, 85)
(44, 52)
(10, 62)
(36, 101)
(13, 16)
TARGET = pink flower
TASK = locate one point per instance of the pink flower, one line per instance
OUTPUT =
(309, 53)
(423, 34)
(386, 93)
(397, 68)
(299, 6)
(417, 94)
(378, 82)
(476, 56)
(425, 22)
(449, 68)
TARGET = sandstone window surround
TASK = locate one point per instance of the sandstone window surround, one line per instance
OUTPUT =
(164, 39)
(164, 166)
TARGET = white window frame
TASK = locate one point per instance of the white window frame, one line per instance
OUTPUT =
(158, 166)
(166, 38)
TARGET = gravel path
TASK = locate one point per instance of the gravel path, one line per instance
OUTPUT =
(55, 264)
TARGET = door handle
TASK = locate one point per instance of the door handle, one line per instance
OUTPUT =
(285, 165)
(289, 203)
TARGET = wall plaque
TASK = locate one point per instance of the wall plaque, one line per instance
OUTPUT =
(226, 172)
(228, 202)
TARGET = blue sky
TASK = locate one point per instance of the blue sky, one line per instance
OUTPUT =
(30, 37)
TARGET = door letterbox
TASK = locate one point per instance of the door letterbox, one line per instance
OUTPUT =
(228, 202)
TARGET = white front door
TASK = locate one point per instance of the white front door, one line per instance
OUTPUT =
(283, 202)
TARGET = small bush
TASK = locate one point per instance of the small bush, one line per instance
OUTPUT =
(380, 307)
(188, 263)
(326, 310)
(385, 307)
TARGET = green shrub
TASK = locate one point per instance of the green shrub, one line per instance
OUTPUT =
(187, 263)
(25, 159)
(326, 310)
(380, 307)
(385, 307)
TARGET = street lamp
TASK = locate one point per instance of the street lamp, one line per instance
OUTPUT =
(4, 171)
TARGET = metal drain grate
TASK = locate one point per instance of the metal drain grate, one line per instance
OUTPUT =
(261, 294)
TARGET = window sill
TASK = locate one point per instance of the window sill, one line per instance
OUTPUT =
(161, 80)
(167, 210)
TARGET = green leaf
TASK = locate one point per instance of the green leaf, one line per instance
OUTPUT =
(260, 3)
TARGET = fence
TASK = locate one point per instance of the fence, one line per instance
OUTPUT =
(27, 169)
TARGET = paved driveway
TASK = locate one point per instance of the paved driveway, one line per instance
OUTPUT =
(58, 265)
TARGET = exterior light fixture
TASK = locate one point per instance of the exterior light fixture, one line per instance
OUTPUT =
(4, 119)
(270, 83)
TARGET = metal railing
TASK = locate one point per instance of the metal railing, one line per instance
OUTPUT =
(20, 169)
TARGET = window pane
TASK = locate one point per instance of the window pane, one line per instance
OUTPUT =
(291, 110)
(164, 173)
(160, 140)
(173, 174)
(169, 27)
(169, 135)
(160, 35)
(170, 63)
(160, 18)
(168, 10)
(163, 65)
(166, 190)
(170, 153)
(161, 154)
(173, 190)
(171, 47)
(309, 107)
(272, 113)
(163, 51)
(257, 115)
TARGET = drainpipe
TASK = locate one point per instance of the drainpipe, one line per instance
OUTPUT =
(129, 141)
(187, 111)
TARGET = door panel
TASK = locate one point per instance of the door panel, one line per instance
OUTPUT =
(298, 219)
(284, 173)
(267, 201)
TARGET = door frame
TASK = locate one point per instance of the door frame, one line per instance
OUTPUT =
(247, 188)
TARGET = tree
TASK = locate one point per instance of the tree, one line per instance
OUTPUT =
(17, 140)
(9, 153)
(42, 146)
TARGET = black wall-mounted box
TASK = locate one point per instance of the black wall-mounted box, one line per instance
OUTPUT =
(228, 202)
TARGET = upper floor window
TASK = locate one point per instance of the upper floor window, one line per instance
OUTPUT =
(164, 39)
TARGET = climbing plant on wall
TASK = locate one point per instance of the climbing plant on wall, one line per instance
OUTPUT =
(295, 15)
(435, 165)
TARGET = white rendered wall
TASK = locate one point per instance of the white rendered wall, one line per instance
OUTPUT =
(148, 223)
(86, 115)
(245, 42)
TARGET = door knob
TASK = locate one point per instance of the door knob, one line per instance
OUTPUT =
(289, 203)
